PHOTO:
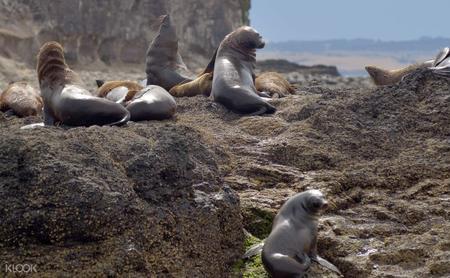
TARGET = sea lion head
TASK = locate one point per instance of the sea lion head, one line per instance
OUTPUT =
(248, 38)
(312, 202)
(379, 76)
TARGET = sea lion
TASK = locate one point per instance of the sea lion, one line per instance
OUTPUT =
(274, 84)
(21, 99)
(233, 81)
(440, 65)
(66, 102)
(151, 103)
(200, 86)
(144, 103)
(164, 65)
(292, 243)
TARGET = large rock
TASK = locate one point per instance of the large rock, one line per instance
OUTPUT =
(103, 201)
(116, 31)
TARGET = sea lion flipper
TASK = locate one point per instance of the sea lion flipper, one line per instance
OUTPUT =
(9, 113)
(48, 117)
(253, 251)
(442, 55)
(303, 259)
(100, 83)
(33, 126)
(263, 94)
(326, 264)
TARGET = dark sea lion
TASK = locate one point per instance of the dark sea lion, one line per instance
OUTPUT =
(233, 81)
(292, 244)
(151, 103)
(274, 84)
(200, 86)
(164, 65)
(66, 102)
(21, 99)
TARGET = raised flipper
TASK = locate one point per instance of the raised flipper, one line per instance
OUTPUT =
(253, 251)
(326, 264)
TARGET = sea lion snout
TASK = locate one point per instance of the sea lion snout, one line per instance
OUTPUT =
(262, 44)
(372, 71)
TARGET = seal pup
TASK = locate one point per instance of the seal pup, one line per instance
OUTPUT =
(233, 81)
(151, 103)
(274, 84)
(292, 244)
(66, 102)
(164, 65)
(21, 99)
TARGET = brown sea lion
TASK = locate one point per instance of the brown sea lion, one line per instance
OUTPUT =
(274, 84)
(66, 102)
(21, 99)
(233, 81)
(164, 65)
(200, 86)
(292, 243)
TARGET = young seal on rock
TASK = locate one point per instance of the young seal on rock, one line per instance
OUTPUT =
(274, 84)
(164, 65)
(292, 243)
(233, 81)
(67, 103)
(21, 99)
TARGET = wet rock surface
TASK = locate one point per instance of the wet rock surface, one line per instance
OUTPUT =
(381, 156)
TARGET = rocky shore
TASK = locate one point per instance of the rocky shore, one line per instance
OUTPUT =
(173, 198)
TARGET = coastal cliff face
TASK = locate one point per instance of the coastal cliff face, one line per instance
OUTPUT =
(114, 32)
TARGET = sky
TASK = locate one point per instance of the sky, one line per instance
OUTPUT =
(281, 20)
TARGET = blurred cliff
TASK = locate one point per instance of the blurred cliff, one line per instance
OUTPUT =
(114, 32)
